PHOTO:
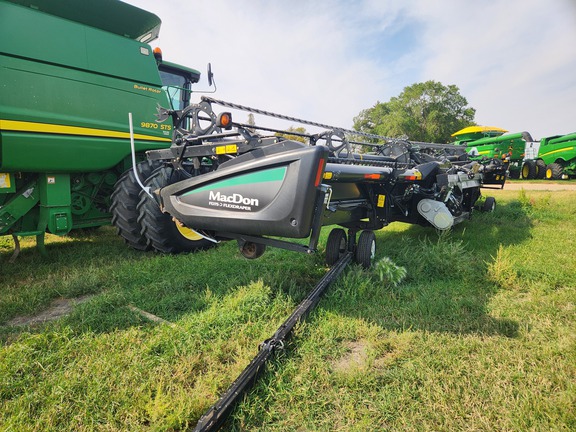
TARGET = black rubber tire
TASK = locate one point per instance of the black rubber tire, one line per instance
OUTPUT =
(514, 174)
(540, 169)
(336, 246)
(529, 170)
(161, 231)
(125, 200)
(554, 171)
(489, 205)
(366, 248)
(252, 250)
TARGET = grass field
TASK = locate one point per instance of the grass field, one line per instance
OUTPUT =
(479, 336)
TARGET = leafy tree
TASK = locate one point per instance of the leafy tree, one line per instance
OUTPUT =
(428, 112)
(299, 130)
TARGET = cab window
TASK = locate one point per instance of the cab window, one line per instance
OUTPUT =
(178, 88)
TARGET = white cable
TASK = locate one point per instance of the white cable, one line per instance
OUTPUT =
(133, 150)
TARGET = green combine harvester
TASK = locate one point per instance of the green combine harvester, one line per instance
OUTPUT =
(558, 155)
(552, 158)
(488, 142)
(70, 72)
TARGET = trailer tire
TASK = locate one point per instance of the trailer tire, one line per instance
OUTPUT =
(336, 246)
(554, 171)
(366, 248)
(124, 205)
(489, 205)
(529, 170)
(540, 169)
(162, 232)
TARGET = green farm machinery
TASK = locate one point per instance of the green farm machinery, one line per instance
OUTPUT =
(70, 72)
(486, 142)
(557, 156)
(552, 157)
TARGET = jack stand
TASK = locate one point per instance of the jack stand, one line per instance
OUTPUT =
(40, 244)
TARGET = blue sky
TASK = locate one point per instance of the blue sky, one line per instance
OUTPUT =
(326, 60)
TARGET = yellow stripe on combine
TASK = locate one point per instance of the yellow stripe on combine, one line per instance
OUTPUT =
(557, 151)
(21, 126)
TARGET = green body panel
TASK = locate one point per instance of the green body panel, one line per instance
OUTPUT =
(559, 149)
(109, 15)
(495, 147)
(91, 82)
(70, 72)
(55, 210)
(14, 206)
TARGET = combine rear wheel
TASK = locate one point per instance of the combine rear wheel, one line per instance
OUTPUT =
(162, 232)
(540, 169)
(366, 249)
(125, 200)
(554, 171)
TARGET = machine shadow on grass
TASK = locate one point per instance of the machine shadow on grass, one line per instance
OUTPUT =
(448, 284)
(121, 279)
(446, 288)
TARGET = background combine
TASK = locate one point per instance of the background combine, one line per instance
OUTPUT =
(552, 158)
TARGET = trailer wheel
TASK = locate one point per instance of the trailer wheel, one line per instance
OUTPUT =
(124, 209)
(252, 250)
(489, 205)
(554, 171)
(529, 170)
(336, 245)
(540, 169)
(366, 249)
(162, 232)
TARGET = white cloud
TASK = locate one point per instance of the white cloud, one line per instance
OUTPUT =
(326, 60)
(513, 60)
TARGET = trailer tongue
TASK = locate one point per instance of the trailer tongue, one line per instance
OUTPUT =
(217, 413)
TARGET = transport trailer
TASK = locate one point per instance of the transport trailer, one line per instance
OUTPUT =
(223, 184)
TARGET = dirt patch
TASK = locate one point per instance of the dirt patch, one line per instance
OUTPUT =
(354, 359)
(544, 186)
(57, 309)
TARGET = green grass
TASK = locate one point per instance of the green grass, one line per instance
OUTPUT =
(479, 335)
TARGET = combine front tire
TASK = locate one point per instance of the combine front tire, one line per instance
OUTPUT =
(366, 249)
(529, 170)
(335, 245)
(162, 232)
(124, 205)
(554, 171)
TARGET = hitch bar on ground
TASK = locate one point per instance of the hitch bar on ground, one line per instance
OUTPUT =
(217, 414)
